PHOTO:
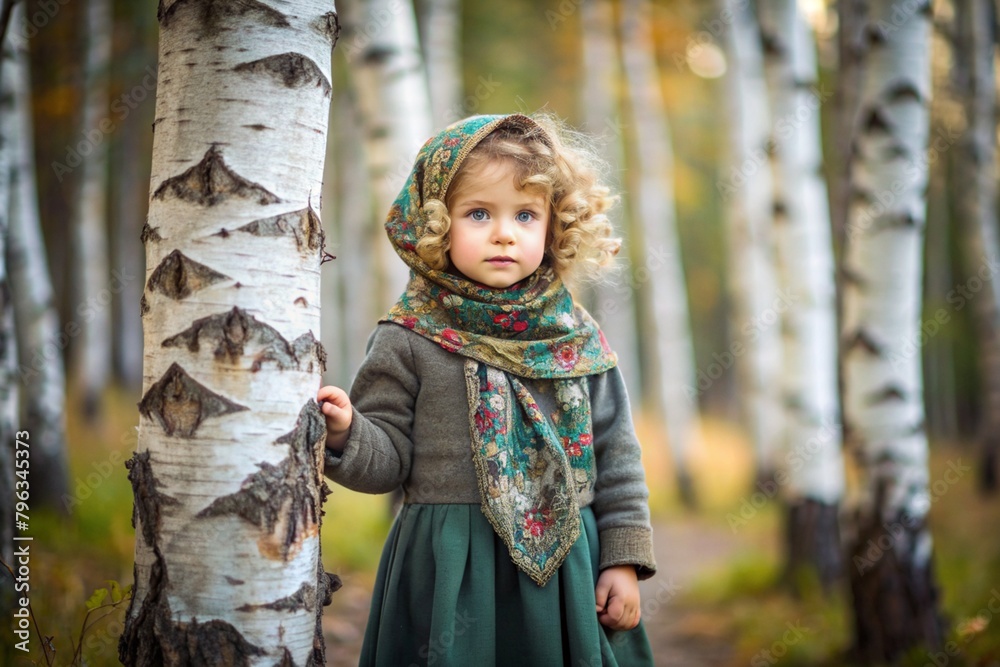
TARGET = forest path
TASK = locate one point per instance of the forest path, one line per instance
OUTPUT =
(687, 549)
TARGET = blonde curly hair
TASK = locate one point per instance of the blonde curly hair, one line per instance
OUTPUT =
(559, 164)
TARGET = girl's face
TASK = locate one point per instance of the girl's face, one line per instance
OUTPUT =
(498, 232)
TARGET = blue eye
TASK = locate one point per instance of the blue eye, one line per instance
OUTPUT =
(524, 216)
(478, 215)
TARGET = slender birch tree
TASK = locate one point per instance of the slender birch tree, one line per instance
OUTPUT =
(747, 191)
(613, 300)
(892, 578)
(91, 366)
(975, 196)
(812, 436)
(227, 470)
(383, 51)
(8, 341)
(440, 37)
(666, 297)
(42, 376)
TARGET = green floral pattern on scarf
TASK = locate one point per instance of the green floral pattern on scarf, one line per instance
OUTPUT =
(530, 467)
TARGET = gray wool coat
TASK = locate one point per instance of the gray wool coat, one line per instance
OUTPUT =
(410, 427)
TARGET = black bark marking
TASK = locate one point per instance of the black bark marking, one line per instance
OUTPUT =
(896, 150)
(772, 45)
(180, 403)
(143, 306)
(212, 182)
(329, 26)
(283, 500)
(178, 277)
(888, 394)
(302, 225)
(292, 70)
(903, 91)
(301, 301)
(213, 643)
(148, 499)
(229, 333)
(258, 127)
(812, 539)
(149, 234)
(216, 15)
(852, 277)
(304, 598)
(780, 212)
(865, 341)
(875, 121)
(378, 54)
(233, 581)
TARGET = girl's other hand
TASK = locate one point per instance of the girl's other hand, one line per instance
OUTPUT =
(618, 597)
(336, 407)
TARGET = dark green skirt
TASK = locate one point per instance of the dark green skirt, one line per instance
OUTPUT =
(448, 595)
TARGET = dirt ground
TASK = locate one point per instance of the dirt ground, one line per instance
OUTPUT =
(680, 635)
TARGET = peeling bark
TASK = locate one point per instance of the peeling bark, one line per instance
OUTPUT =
(180, 403)
(293, 70)
(212, 182)
(178, 277)
(304, 226)
(150, 234)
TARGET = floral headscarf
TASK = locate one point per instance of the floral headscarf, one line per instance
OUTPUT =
(530, 467)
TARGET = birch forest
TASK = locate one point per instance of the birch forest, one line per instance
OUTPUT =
(806, 312)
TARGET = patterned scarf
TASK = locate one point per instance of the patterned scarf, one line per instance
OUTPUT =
(530, 467)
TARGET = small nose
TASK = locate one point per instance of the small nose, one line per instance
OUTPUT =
(503, 231)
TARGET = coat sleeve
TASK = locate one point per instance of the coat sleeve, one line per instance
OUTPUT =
(378, 453)
(621, 498)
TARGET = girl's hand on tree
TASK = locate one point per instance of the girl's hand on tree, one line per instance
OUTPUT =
(618, 598)
(336, 407)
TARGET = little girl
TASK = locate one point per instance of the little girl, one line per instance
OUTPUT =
(495, 401)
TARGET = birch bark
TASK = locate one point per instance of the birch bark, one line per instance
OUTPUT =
(42, 376)
(440, 36)
(227, 470)
(892, 580)
(812, 459)
(91, 366)
(747, 192)
(388, 75)
(667, 307)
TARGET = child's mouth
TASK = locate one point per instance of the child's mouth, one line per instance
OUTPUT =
(500, 261)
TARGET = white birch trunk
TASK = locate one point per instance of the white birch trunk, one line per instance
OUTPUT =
(440, 36)
(42, 375)
(614, 300)
(668, 325)
(747, 191)
(895, 597)
(227, 472)
(813, 460)
(388, 74)
(91, 365)
(976, 199)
